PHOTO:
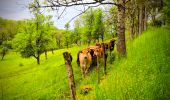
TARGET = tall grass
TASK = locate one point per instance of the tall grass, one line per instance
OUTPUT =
(144, 74)
(24, 79)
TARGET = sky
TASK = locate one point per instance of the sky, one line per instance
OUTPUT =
(17, 10)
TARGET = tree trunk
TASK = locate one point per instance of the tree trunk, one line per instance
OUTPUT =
(3, 55)
(121, 45)
(145, 19)
(38, 59)
(45, 54)
(140, 19)
(132, 30)
(59, 43)
(52, 50)
(137, 23)
(102, 36)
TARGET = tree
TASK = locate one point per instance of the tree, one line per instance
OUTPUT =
(98, 25)
(88, 18)
(8, 29)
(131, 15)
(4, 49)
(66, 34)
(111, 22)
(166, 11)
(32, 37)
(76, 34)
(49, 30)
(121, 46)
(59, 35)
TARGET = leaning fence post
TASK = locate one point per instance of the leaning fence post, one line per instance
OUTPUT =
(68, 59)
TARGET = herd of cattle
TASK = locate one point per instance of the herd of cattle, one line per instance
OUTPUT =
(92, 56)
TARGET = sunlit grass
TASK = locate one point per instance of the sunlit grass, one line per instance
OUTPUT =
(23, 78)
(143, 74)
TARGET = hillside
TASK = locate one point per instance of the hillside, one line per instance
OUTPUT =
(143, 74)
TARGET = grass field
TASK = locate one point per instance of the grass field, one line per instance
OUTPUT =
(144, 74)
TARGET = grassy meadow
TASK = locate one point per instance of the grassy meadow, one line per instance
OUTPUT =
(144, 74)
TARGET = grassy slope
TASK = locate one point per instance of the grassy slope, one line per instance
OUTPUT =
(143, 74)
(24, 79)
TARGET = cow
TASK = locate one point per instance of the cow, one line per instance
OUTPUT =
(99, 53)
(111, 45)
(84, 59)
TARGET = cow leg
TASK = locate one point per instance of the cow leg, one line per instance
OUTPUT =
(86, 71)
(83, 72)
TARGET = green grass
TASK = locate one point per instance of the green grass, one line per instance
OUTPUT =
(143, 74)
(24, 79)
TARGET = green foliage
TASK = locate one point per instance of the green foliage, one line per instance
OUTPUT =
(111, 23)
(4, 49)
(166, 11)
(98, 26)
(34, 37)
(25, 41)
(8, 29)
(67, 33)
(59, 38)
(90, 26)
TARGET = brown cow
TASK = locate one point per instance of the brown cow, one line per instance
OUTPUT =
(84, 59)
(99, 53)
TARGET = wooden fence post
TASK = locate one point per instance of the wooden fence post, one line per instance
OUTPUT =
(68, 59)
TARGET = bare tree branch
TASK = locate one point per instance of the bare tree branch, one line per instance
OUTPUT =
(69, 4)
(62, 13)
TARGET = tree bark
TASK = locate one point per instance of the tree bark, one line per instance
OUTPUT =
(3, 55)
(141, 18)
(132, 25)
(145, 19)
(45, 54)
(121, 45)
(52, 50)
(38, 59)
